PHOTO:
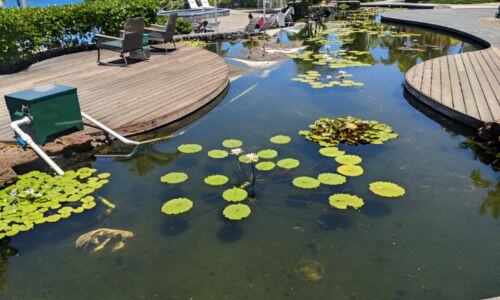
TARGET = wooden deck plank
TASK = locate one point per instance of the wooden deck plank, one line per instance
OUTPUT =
(142, 95)
(436, 80)
(417, 77)
(426, 78)
(487, 58)
(446, 96)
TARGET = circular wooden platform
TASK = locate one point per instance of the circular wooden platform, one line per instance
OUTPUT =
(133, 99)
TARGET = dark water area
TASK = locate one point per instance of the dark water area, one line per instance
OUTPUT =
(438, 241)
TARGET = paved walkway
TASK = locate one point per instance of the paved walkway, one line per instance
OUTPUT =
(133, 99)
(466, 86)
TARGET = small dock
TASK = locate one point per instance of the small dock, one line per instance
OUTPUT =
(465, 86)
(134, 99)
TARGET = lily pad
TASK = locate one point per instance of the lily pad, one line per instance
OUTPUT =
(177, 206)
(103, 175)
(306, 182)
(342, 201)
(243, 159)
(350, 170)
(386, 189)
(236, 212)
(190, 148)
(235, 194)
(288, 163)
(232, 143)
(174, 177)
(331, 151)
(268, 153)
(348, 159)
(217, 153)
(216, 180)
(331, 179)
(265, 166)
(280, 139)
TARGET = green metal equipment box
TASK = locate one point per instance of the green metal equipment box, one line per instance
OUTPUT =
(54, 109)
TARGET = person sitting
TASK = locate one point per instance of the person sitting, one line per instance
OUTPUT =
(202, 27)
(260, 23)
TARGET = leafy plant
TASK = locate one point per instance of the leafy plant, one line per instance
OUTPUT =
(38, 197)
(331, 132)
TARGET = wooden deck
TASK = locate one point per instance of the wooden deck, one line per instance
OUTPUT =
(465, 86)
(132, 99)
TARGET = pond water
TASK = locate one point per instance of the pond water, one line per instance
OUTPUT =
(440, 240)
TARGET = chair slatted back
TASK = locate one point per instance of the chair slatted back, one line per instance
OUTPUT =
(132, 37)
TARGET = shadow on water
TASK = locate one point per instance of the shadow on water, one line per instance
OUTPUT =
(332, 221)
(484, 152)
(230, 233)
(6, 250)
(174, 226)
(376, 209)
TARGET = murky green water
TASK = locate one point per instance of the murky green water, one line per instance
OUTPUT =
(438, 241)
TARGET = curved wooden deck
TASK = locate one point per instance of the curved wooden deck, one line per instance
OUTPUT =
(133, 99)
(463, 86)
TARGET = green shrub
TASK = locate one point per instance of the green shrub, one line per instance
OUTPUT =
(182, 26)
(26, 35)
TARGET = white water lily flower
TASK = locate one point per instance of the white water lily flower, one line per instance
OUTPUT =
(328, 76)
(252, 157)
(236, 151)
(342, 72)
(29, 191)
(326, 56)
(13, 193)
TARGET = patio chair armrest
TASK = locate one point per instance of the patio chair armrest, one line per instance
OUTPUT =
(105, 38)
(156, 26)
(152, 29)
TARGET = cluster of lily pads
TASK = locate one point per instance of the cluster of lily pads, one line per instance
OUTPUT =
(316, 81)
(331, 132)
(235, 195)
(348, 167)
(38, 197)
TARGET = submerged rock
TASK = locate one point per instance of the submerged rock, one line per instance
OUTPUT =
(310, 270)
(103, 238)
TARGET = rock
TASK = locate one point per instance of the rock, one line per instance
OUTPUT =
(7, 176)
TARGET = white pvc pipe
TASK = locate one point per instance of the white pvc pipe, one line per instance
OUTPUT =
(109, 130)
(25, 121)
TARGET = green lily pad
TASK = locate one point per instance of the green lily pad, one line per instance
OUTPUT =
(189, 148)
(216, 180)
(103, 175)
(236, 212)
(235, 194)
(331, 179)
(280, 139)
(217, 153)
(53, 218)
(265, 166)
(350, 170)
(243, 159)
(342, 201)
(331, 151)
(268, 153)
(348, 159)
(306, 182)
(89, 205)
(232, 143)
(177, 206)
(288, 163)
(174, 177)
(386, 189)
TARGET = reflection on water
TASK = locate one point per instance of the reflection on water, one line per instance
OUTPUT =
(438, 241)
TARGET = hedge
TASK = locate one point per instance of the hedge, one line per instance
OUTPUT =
(31, 34)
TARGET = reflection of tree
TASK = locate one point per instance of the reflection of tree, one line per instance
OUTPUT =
(432, 44)
(491, 202)
(5, 250)
(485, 152)
(147, 158)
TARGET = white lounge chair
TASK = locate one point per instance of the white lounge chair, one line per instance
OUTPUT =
(205, 4)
